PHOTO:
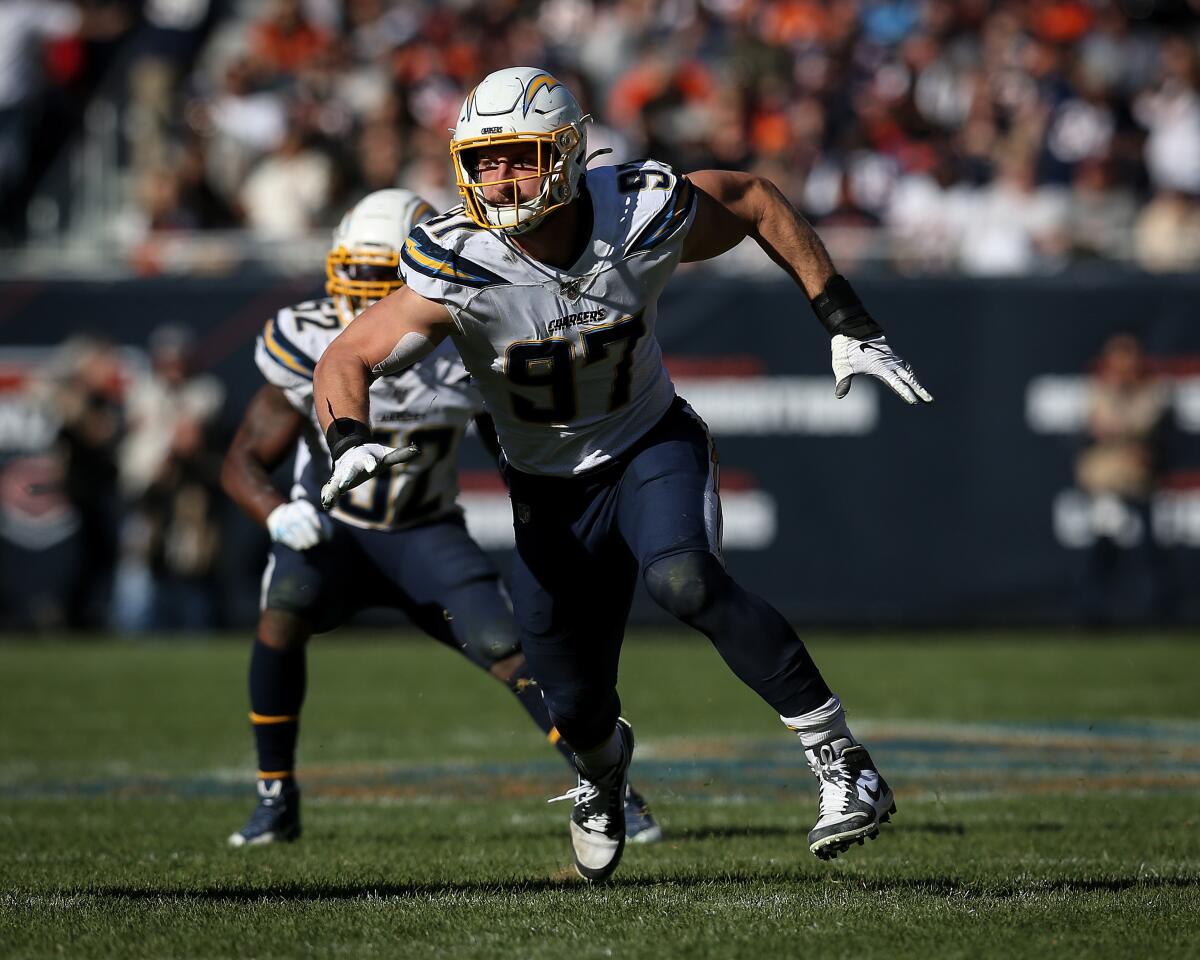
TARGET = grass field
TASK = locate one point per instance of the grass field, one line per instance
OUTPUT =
(1049, 795)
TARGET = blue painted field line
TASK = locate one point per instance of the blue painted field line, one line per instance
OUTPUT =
(921, 757)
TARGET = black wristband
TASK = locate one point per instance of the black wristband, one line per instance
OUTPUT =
(344, 433)
(840, 311)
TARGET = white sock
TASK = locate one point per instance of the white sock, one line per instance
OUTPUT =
(599, 760)
(827, 722)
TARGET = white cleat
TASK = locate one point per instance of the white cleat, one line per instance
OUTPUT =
(598, 816)
(855, 799)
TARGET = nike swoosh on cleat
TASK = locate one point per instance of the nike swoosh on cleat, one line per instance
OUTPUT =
(873, 794)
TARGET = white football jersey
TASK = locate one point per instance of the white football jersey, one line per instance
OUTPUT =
(566, 359)
(431, 403)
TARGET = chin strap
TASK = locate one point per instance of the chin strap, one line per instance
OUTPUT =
(596, 153)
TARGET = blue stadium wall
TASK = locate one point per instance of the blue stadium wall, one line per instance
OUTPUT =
(860, 511)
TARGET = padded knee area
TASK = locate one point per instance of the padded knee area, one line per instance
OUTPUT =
(687, 584)
(283, 631)
(493, 640)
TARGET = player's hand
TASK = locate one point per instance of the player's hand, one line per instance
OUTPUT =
(875, 358)
(298, 525)
(359, 464)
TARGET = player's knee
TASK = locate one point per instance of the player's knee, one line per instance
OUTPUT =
(493, 640)
(281, 630)
(685, 585)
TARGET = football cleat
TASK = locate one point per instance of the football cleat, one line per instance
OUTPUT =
(598, 817)
(276, 819)
(640, 825)
(855, 799)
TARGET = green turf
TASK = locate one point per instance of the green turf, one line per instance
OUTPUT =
(121, 772)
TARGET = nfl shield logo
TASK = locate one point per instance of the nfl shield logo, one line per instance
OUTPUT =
(523, 512)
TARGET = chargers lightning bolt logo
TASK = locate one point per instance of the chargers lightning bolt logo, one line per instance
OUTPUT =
(543, 81)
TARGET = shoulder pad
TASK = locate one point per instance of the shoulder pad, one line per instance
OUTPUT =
(426, 257)
(455, 219)
(670, 201)
(652, 203)
(295, 337)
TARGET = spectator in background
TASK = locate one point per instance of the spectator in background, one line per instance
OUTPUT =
(926, 217)
(240, 122)
(1100, 213)
(168, 476)
(25, 27)
(1171, 114)
(284, 43)
(289, 190)
(166, 42)
(1012, 225)
(1167, 233)
(88, 392)
(1119, 468)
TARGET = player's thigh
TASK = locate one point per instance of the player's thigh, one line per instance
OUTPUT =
(669, 501)
(322, 586)
(571, 607)
(448, 587)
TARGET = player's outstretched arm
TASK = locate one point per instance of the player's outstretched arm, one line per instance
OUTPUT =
(732, 206)
(267, 434)
(388, 337)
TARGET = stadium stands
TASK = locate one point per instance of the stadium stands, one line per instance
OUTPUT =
(983, 137)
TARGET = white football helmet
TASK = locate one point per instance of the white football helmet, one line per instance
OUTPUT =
(363, 263)
(520, 105)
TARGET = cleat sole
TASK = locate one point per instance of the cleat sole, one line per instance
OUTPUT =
(829, 847)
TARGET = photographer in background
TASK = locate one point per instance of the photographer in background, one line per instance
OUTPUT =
(1119, 468)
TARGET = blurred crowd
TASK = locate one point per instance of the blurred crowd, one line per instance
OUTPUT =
(132, 463)
(983, 136)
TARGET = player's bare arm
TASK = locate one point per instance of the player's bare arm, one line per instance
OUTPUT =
(266, 436)
(731, 206)
(264, 439)
(387, 338)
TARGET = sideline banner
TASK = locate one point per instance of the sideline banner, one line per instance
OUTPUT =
(862, 510)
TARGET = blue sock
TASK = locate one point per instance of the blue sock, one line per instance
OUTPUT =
(277, 684)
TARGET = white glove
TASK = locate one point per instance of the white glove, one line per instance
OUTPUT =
(298, 525)
(359, 464)
(875, 358)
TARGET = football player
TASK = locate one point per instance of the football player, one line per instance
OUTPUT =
(398, 541)
(547, 279)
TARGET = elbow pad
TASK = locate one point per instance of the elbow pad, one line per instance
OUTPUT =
(408, 350)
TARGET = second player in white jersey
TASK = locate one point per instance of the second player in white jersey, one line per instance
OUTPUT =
(566, 359)
(430, 405)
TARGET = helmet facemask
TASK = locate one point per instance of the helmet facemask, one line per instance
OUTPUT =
(360, 276)
(559, 167)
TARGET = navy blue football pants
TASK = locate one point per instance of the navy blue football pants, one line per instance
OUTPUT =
(435, 573)
(581, 543)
